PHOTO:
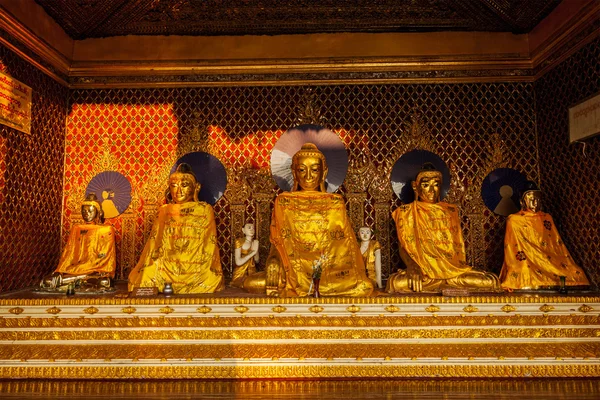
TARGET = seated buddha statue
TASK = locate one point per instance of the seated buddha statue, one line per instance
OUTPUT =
(182, 248)
(431, 243)
(245, 256)
(371, 253)
(534, 255)
(88, 262)
(308, 224)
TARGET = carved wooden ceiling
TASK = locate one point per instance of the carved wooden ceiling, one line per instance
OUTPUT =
(83, 19)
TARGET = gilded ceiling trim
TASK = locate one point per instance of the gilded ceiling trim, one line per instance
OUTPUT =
(33, 49)
(470, 69)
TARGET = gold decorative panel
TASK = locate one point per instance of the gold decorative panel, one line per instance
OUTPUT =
(31, 180)
(570, 173)
(147, 129)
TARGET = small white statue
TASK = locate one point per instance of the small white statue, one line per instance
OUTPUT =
(246, 256)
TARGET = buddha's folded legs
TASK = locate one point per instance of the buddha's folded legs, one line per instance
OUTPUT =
(472, 280)
(398, 282)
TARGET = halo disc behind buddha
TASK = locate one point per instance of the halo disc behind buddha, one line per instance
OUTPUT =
(407, 167)
(500, 190)
(113, 192)
(326, 141)
(209, 172)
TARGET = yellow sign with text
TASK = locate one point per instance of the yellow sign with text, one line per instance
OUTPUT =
(15, 104)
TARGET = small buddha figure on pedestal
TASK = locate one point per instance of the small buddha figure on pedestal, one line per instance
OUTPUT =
(245, 256)
(309, 224)
(431, 243)
(182, 249)
(88, 262)
(535, 257)
(371, 252)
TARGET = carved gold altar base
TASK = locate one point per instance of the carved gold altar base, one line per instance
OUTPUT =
(220, 337)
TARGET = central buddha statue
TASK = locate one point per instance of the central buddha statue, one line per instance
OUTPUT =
(431, 243)
(182, 248)
(308, 225)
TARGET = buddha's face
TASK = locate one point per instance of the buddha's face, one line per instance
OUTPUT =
(248, 230)
(182, 187)
(309, 172)
(428, 189)
(365, 233)
(532, 201)
(88, 213)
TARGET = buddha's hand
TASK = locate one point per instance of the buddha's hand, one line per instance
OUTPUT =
(254, 246)
(415, 279)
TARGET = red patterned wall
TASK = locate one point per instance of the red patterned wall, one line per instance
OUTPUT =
(571, 172)
(31, 180)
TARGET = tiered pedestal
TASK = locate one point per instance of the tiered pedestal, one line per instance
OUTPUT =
(220, 337)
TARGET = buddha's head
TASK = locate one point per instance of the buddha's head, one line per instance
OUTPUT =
(309, 168)
(91, 211)
(183, 185)
(428, 184)
(531, 197)
(248, 230)
(365, 233)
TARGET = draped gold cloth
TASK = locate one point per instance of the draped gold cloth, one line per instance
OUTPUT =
(182, 249)
(90, 248)
(240, 272)
(432, 237)
(306, 225)
(369, 259)
(534, 254)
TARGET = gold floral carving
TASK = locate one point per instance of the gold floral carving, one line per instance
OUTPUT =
(90, 310)
(353, 309)
(585, 308)
(241, 309)
(508, 308)
(53, 310)
(204, 309)
(432, 309)
(16, 310)
(129, 310)
(546, 308)
(470, 309)
(301, 333)
(418, 133)
(279, 309)
(392, 308)
(305, 321)
(308, 112)
(166, 310)
(316, 309)
(299, 371)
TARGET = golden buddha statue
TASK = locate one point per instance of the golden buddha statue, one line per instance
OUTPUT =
(182, 248)
(535, 257)
(371, 252)
(431, 243)
(245, 256)
(309, 224)
(88, 262)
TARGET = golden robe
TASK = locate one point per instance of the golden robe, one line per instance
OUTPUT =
(182, 249)
(240, 272)
(369, 259)
(90, 248)
(431, 235)
(534, 254)
(306, 225)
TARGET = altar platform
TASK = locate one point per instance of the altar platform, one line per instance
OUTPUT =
(234, 335)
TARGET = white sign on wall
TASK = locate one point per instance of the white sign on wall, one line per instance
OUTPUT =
(15, 103)
(584, 119)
